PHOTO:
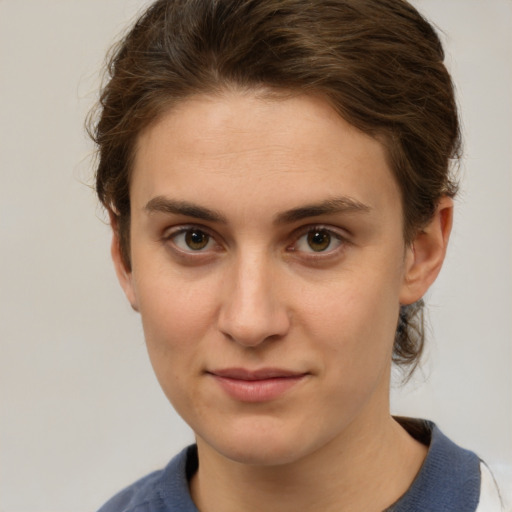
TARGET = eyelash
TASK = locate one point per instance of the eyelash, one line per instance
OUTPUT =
(171, 235)
(335, 237)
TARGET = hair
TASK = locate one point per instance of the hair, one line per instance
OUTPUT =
(378, 63)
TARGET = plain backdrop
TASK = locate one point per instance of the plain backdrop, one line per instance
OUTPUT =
(81, 412)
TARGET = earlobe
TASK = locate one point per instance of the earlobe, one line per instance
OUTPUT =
(124, 275)
(426, 253)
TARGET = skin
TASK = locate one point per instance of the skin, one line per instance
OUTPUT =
(224, 276)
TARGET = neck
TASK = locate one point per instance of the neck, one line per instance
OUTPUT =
(367, 468)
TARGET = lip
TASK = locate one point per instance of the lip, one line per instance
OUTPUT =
(254, 386)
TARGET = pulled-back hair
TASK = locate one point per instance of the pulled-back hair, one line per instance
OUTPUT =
(378, 63)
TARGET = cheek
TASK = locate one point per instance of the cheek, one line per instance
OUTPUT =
(176, 317)
(175, 326)
(355, 321)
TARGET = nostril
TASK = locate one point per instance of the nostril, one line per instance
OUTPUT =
(254, 327)
(252, 310)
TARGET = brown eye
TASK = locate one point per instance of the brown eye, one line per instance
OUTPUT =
(319, 240)
(196, 239)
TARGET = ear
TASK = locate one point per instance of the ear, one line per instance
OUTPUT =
(425, 255)
(124, 275)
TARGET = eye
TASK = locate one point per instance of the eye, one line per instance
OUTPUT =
(318, 240)
(191, 240)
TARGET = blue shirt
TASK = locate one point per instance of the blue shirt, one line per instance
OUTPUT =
(449, 480)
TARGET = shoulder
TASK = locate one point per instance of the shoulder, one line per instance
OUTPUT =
(137, 497)
(161, 491)
(451, 478)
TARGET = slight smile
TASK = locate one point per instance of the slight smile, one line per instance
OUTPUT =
(261, 385)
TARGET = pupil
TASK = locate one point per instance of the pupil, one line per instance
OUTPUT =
(196, 239)
(319, 240)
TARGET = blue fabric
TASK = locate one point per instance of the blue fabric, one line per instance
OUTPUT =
(449, 481)
(161, 491)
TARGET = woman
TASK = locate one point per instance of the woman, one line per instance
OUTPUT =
(277, 175)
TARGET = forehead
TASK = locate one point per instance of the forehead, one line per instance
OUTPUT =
(276, 152)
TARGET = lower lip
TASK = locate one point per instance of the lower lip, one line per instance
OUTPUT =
(255, 391)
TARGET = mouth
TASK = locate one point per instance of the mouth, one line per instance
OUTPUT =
(254, 386)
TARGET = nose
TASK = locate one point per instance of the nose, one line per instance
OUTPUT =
(253, 311)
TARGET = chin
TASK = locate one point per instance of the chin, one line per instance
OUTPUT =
(258, 455)
(262, 445)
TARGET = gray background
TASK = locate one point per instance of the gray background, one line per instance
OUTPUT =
(81, 413)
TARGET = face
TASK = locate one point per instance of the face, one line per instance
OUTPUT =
(268, 266)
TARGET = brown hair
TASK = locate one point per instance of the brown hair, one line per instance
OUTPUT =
(379, 63)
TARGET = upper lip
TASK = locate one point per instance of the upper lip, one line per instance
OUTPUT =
(260, 374)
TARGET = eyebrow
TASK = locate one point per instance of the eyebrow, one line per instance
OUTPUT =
(328, 207)
(161, 204)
